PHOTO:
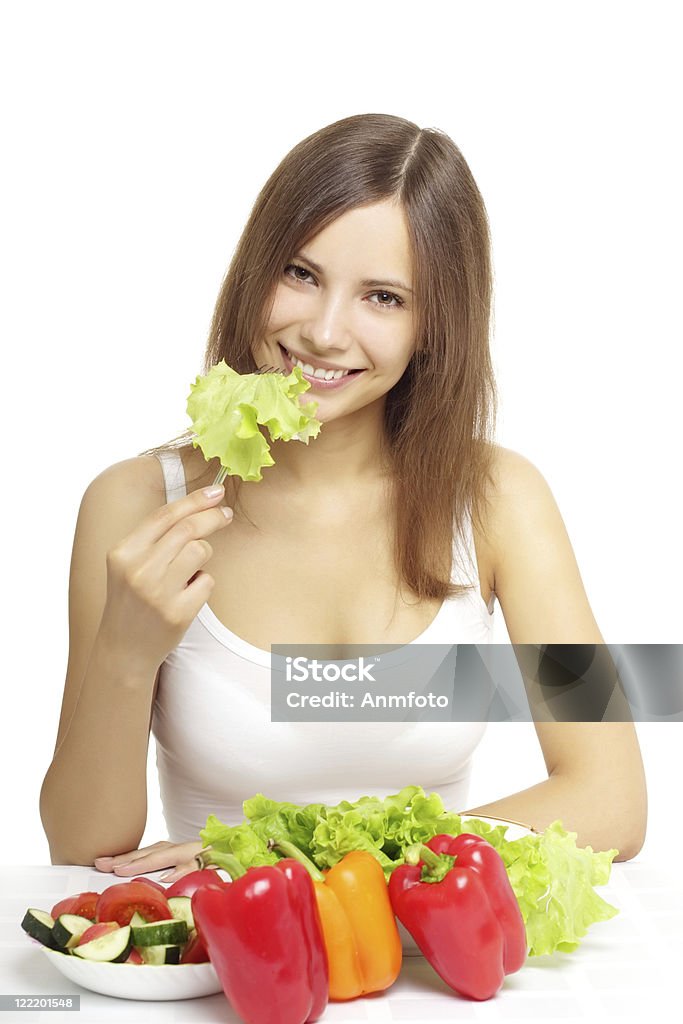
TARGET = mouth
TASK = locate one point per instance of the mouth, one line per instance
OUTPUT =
(320, 376)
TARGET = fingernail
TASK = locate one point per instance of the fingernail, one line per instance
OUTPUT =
(214, 491)
(227, 512)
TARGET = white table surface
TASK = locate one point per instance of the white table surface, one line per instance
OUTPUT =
(626, 968)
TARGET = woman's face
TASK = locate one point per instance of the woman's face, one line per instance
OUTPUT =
(344, 302)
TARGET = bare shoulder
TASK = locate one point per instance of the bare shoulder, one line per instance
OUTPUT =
(519, 499)
(139, 482)
(124, 493)
(512, 482)
(141, 474)
(534, 569)
(513, 476)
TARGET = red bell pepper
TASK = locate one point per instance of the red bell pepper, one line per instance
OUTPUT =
(454, 897)
(264, 938)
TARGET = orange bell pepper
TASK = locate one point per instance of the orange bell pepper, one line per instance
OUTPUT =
(361, 937)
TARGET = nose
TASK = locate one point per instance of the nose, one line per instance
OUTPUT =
(327, 324)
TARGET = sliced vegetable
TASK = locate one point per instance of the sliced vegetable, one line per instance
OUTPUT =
(160, 933)
(82, 905)
(150, 881)
(68, 928)
(189, 883)
(134, 957)
(119, 903)
(158, 955)
(181, 908)
(39, 924)
(95, 930)
(114, 947)
(194, 951)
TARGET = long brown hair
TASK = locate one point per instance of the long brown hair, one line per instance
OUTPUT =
(440, 416)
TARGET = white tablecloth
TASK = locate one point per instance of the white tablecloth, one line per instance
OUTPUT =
(626, 968)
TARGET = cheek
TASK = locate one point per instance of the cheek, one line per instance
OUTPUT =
(394, 347)
(286, 305)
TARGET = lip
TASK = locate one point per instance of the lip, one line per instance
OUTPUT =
(317, 382)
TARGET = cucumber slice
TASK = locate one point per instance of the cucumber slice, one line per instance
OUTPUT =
(39, 924)
(157, 955)
(114, 947)
(68, 929)
(181, 908)
(160, 933)
(137, 919)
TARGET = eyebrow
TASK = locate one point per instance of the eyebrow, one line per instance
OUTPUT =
(365, 284)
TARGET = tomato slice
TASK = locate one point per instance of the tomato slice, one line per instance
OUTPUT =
(134, 957)
(119, 903)
(83, 904)
(95, 930)
(194, 952)
(149, 881)
(188, 884)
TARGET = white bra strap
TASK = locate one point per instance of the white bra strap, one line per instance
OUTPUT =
(174, 475)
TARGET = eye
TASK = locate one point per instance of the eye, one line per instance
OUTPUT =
(395, 301)
(296, 267)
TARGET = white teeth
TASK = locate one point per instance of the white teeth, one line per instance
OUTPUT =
(318, 371)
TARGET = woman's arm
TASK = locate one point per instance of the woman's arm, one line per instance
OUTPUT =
(135, 586)
(596, 784)
(94, 795)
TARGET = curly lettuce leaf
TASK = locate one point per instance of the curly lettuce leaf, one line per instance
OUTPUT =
(241, 840)
(227, 408)
(553, 881)
(422, 818)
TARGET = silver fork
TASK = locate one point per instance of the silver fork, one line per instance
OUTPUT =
(222, 473)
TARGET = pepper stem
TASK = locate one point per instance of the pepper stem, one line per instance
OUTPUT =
(435, 865)
(227, 861)
(290, 850)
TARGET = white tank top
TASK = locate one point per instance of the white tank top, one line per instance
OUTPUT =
(216, 745)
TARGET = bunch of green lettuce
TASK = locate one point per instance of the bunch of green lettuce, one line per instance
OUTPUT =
(551, 877)
(227, 407)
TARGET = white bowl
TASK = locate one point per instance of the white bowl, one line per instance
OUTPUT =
(138, 981)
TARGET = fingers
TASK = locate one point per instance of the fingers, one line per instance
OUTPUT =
(118, 861)
(193, 556)
(203, 502)
(150, 858)
(181, 869)
(188, 532)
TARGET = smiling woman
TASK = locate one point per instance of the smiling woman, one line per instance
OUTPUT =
(365, 262)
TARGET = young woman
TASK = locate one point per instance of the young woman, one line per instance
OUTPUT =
(366, 261)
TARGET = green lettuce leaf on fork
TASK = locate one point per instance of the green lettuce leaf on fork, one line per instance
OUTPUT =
(551, 877)
(227, 408)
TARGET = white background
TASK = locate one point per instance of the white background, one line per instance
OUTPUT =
(136, 137)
